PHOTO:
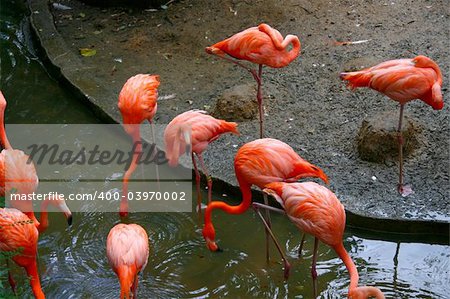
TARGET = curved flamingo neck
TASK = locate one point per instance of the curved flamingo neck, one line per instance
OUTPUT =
(431, 64)
(296, 46)
(345, 257)
(282, 45)
(238, 209)
(43, 225)
(127, 275)
(137, 149)
(33, 273)
(3, 138)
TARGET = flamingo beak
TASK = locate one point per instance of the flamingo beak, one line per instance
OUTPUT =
(69, 219)
(212, 246)
(67, 213)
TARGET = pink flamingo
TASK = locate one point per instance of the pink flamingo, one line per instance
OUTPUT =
(137, 103)
(315, 210)
(402, 80)
(127, 248)
(258, 163)
(262, 45)
(195, 129)
(18, 175)
(18, 233)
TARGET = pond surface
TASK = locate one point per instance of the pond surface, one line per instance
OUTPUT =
(73, 264)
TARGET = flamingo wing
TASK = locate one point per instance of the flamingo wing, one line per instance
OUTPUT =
(137, 99)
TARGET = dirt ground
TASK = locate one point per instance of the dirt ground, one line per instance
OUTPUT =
(307, 105)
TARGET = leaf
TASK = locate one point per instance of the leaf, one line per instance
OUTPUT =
(86, 52)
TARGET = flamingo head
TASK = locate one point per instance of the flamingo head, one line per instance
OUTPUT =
(58, 202)
(421, 61)
(304, 169)
(215, 51)
(275, 190)
(209, 234)
(365, 292)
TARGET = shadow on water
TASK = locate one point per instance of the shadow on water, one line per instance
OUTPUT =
(73, 262)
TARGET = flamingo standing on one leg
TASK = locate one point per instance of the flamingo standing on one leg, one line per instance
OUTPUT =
(315, 210)
(127, 249)
(19, 234)
(195, 129)
(258, 163)
(402, 80)
(18, 175)
(137, 103)
(262, 45)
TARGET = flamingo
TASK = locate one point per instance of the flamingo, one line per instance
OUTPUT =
(18, 175)
(260, 162)
(127, 249)
(315, 210)
(262, 45)
(402, 80)
(137, 103)
(19, 234)
(196, 129)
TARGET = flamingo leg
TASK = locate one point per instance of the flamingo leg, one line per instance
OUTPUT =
(301, 245)
(32, 272)
(266, 207)
(12, 283)
(258, 205)
(197, 185)
(237, 63)
(404, 190)
(258, 79)
(134, 286)
(313, 266)
(269, 223)
(259, 97)
(287, 266)
(155, 152)
(208, 177)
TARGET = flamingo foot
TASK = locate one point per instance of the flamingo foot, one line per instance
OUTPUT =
(405, 190)
(287, 269)
(12, 283)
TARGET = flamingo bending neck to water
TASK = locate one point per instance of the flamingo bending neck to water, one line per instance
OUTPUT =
(195, 129)
(127, 249)
(18, 175)
(137, 103)
(316, 210)
(258, 163)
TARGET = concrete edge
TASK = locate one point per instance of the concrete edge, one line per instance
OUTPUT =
(67, 67)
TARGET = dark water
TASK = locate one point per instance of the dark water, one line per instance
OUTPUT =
(73, 262)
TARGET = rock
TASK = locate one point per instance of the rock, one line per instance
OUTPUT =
(377, 138)
(237, 104)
